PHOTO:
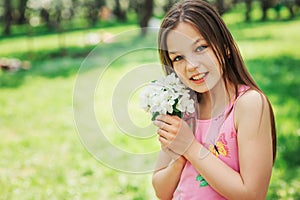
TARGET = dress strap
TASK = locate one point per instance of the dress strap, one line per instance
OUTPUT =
(241, 90)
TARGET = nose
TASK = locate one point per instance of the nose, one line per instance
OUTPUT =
(191, 64)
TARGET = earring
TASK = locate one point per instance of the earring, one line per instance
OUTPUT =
(228, 54)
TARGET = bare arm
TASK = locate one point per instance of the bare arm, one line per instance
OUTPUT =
(165, 180)
(255, 153)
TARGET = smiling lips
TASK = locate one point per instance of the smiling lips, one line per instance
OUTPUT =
(199, 78)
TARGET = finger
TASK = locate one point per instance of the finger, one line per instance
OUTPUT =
(169, 137)
(162, 133)
(169, 119)
(170, 129)
(163, 141)
(162, 125)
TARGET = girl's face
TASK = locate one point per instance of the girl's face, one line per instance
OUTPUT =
(193, 59)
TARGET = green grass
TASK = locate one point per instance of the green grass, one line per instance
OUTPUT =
(42, 156)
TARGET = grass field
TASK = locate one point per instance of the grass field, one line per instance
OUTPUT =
(42, 155)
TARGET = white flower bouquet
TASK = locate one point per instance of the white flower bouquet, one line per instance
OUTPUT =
(166, 96)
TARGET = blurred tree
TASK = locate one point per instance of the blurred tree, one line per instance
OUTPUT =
(144, 10)
(50, 12)
(92, 12)
(21, 11)
(8, 17)
(292, 5)
(169, 4)
(56, 16)
(265, 5)
(248, 10)
(222, 6)
(119, 11)
(45, 16)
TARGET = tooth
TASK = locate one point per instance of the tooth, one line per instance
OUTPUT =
(198, 76)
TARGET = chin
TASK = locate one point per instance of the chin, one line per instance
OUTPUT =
(199, 89)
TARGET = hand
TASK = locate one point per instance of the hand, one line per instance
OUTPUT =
(167, 157)
(171, 153)
(174, 133)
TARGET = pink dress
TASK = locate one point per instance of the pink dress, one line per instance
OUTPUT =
(220, 137)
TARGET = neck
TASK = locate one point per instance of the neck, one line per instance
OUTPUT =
(214, 101)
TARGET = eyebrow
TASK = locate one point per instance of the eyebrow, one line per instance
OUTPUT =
(195, 42)
(198, 40)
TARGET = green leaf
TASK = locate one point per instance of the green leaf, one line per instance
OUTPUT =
(154, 115)
(177, 113)
(199, 178)
(203, 183)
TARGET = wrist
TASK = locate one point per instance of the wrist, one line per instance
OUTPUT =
(179, 163)
(189, 151)
(197, 149)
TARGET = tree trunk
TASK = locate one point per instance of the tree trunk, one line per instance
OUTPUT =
(248, 9)
(119, 12)
(264, 9)
(45, 15)
(265, 5)
(169, 4)
(22, 9)
(220, 6)
(94, 10)
(145, 11)
(7, 17)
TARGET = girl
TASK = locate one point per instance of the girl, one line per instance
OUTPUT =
(232, 150)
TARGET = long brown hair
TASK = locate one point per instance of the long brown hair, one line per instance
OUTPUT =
(208, 22)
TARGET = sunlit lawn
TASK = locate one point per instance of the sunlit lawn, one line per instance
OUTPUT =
(42, 156)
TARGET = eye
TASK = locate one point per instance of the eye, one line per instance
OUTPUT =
(201, 48)
(177, 58)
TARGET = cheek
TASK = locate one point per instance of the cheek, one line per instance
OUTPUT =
(179, 69)
(216, 65)
(217, 73)
(180, 72)
(180, 75)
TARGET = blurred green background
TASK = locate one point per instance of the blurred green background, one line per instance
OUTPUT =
(42, 46)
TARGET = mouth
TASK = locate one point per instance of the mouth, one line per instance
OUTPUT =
(198, 78)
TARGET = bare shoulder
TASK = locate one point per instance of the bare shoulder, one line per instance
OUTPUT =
(250, 100)
(250, 106)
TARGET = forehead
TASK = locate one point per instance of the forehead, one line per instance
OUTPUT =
(183, 34)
